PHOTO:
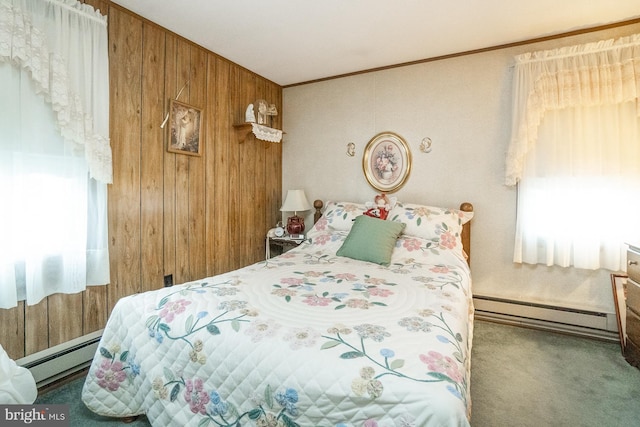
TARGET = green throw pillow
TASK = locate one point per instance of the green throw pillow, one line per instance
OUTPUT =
(371, 239)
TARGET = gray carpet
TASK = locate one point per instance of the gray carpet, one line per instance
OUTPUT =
(520, 378)
(79, 415)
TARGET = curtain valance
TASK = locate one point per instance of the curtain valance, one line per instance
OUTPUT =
(63, 44)
(606, 72)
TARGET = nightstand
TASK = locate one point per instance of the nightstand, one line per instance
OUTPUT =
(632, 348)
(279, 245)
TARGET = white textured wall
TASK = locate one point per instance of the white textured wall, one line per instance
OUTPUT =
(464, 105)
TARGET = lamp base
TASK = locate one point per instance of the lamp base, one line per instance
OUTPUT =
(295, 225)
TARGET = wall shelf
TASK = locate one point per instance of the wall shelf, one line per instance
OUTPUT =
(262, 132)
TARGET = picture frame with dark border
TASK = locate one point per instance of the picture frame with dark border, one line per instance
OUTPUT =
(185, 129)
(619, 287)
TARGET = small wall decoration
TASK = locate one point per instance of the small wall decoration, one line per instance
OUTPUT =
(185, 129)
(386, 162)
(351, 149)
(425, 145)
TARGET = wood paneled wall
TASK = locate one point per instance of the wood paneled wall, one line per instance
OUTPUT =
(169, 214)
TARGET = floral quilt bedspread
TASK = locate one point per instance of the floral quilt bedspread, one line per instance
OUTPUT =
(304, 339)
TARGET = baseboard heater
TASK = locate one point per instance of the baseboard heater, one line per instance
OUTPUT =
(547, 317)
(62, 360)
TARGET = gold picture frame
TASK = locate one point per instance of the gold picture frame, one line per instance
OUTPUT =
(386, 162)
(619, 286)
(185, 129)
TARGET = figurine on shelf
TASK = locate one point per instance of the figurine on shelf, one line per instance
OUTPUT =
(261, 107)
(249, 116)
(272, 111)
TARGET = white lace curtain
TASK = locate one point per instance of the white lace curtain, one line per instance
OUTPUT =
(575, 154)
(55, 158)
(63, 45)
(606, 72)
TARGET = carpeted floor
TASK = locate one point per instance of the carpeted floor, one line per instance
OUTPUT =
(79, 415)
(528, 378)
(520, 378)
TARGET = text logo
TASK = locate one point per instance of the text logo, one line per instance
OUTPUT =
(34, 415)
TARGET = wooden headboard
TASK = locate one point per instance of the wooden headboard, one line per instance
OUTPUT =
(317, 204)
(466, 232)
(466, 229)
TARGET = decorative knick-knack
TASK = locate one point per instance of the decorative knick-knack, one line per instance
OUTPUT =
(249, 116)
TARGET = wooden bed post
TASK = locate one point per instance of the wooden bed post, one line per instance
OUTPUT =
(318, 213)
(466, 231)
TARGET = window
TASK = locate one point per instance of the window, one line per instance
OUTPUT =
(579, 183)
(575, 155)
(55, 159)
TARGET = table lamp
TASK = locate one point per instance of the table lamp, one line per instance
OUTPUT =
(294, 202)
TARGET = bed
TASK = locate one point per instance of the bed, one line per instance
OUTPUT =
(367, 323)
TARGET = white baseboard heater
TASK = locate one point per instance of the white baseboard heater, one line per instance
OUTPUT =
(547, 317)
(62, 360)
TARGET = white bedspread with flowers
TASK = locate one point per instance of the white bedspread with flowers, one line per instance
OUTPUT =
(304, 339)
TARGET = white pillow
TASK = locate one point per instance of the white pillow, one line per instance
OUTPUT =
(437, 224)
(339, 216)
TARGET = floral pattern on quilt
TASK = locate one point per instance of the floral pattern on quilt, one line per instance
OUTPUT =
(170, 344)
(440, 367)
(232, 312)
(268, 409)
(310, 286)
(114, 369)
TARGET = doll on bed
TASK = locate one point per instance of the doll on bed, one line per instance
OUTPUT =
(380, 206)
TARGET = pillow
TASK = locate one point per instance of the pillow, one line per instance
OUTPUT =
(371, 239)
(432, 223)
(340, 215)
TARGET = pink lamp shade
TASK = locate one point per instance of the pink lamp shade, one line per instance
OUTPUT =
(295, 201)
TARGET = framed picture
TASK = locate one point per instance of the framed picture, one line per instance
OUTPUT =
(386, 162)
(619, 285)
(185, 129)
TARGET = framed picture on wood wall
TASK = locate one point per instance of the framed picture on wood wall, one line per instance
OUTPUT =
(185, 129)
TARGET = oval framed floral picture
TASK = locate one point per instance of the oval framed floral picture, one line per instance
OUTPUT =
(386, 162)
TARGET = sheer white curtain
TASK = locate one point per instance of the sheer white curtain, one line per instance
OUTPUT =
(55, 158)
(575, 154)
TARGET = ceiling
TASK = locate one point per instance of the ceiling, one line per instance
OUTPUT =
(296, 41)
